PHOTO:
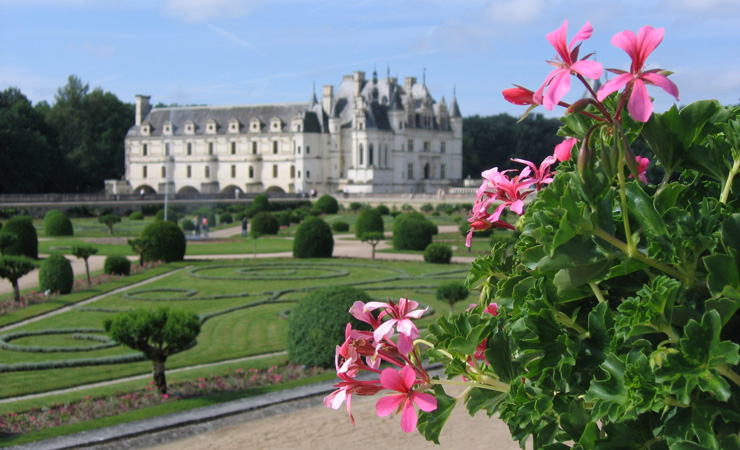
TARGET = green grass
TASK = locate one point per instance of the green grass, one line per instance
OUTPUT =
(239, 246)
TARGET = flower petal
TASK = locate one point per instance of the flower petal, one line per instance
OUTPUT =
(662, 82)
(589, 69)
(408, 376)
(648, 39)
(384, 330)
(640, 106)
(584, 33)
(391, 379)
(388, 405)
(559, 86)
(409, 417)
(613, 85)
(425, 402)
(558, 39)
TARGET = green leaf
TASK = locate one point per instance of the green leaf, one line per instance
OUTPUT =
(498, 354)
(467, 345)
(430, 423)
(577, 276)
(723, 277)
(731, 231)
(642, 209)
(575, 421)
(609, 394)
(668, 197)
(484, 399)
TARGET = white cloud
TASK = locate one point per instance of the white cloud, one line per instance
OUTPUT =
(515, 11)
(235, 39)
(199, 10)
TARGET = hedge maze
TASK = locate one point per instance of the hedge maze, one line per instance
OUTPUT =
(241, 304)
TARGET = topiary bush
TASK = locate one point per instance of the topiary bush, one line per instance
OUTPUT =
(117, 265)
(55, 274)
(283, 218)
(339, 226)
(369, 220)
(426, 207)
(225, 218)
(167, 242)
(411, 231)
(317, 323)
(313, 239)
(58, 225)
(187, 224)
(51, 212)
(27, 243)
(264, 223)
(383, 210)
(171, 215)
(438, 254)
(261, 203)
(355, 206)
(136, 215)
(452, 292)
(327, 204)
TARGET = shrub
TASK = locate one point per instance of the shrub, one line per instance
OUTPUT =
(355, 206)
(261, 203)
(225, 218)
(187, 224)
(167, 242)
(369, 220)
(411, 231)
(327, 204)
(117, 265)
(283, 218)
(136, 215)
(438, 254)
(317, 324)
(340, 226)
(426, 207)
(14, 267)
(264, 223)
(171, 215)
(313, 239)
(208, 213)
(109, 220)
(55, 274)
(58, 225)
(452, 292)
(150, 209)
(395, 214)
(51, 212)
(27, 243)
(383, 210)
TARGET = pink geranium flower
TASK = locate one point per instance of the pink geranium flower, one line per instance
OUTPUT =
(519, 96)
(346, 388)
(401, 316)
(564, 149)
(642, 166)
(558, 81)
(638, 48)
(404, 401)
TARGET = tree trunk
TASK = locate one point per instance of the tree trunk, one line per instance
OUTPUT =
(16, 291)
(87, 270)
(374, 251)
(159, 378)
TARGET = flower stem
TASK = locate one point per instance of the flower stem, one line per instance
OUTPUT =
(492, 385)
(597, 292)
(726, 371)
(563, 319)
(631, 247)
(728, 183)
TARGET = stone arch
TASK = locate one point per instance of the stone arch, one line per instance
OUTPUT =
(188, 190)
(230, 189)
(275, 189)
(147, 189)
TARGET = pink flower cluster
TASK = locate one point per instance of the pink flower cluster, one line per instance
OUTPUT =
(365, 350)
(510, 191)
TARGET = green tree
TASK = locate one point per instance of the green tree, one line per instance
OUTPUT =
(13, 268)
(85, 252)
(158, 334)
(452, 292)
(373, 238)
(140, 246)
(109, 220)
(7, 240)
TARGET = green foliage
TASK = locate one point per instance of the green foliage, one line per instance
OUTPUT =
(340, 226)
(426, 207)
(261, 203)
(452, 292)
(27, 242)
(283, 218)
(85, 252)
(225, 218)
(58, 225)
(327, 204)
(51, 212)
(317, 324)
(412, 231)
(8, 239)
(313, 239)
(13, 267)
(383, 210)
(187, 224)
(355, 206)
(109, 220)
(264, 223)
(117, 265)
(171, 215)
(373, 238)
(55, 274)
(207, 213)
(136, 215)
(163, 241)
(369, 220)
(438, 253)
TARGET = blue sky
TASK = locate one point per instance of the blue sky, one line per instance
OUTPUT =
(225, 52)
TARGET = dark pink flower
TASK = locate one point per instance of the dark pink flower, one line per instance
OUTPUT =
(346, 388)
(558, 81)
(404, 401)
(642, 166)
(563, 150)
(519, 96)
(638, 48)
(401, 316)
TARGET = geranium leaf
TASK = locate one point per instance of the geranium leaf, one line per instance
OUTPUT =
(430, 423)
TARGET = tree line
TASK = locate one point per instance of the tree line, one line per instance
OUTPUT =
(78, 142)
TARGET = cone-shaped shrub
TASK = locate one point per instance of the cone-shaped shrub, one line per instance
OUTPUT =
(411, 231)
(55, 274)
(313, 239)
(27, 243)
(58, 225)
(327, 204)
(369, 220)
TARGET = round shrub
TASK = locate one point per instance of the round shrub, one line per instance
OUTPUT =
(426, 207)
(383, 210)
(438, 254)
(327, 204)
(171, 215)
(452, 292)
(264, 223)
(55, 274)
(313, 239)
(51, 212)
(317, 324)
(340, 226)
(369, 220)
(117, 265)
(411, 231)
(261, 203)
(27, 243)
(136, 215)
(187, 224)
(283, 218)
(225, 218)
(167, 242)
(355, 206)
(58, 225)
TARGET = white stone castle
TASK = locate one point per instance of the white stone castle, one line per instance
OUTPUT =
(371, 136)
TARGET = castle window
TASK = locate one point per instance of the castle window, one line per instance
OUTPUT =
(370, 156)
(308, 174)
(442, 147)
(233, 148)
(164, 172)
(189, 171)
(299, 149)
(254, 148)
(427, 146)
(210, 148)
(410, 171)
(211, 127)
(144, 149)
(292, 171)
(167, 149)
(190, 148)
(233, 171)
(308, 150)
(189, 127)
(274, 171)
(208, 172)
(143, 172)
(299, 174)
(442, 171)
(411, 145)
(361, 156)
(386, 155)
(251, 172)
(274, 147)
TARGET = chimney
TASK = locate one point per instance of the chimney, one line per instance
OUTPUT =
(359, 81)
(327, 99)
(409, 83)
(142, 108)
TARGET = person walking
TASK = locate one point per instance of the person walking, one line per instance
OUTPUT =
(196, 223)
(244, 226)
(205, 226)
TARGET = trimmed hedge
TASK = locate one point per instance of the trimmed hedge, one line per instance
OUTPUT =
(327, 204)
(340, 226)
(438, 254)
(58, 225)
(117, 265)
(225, 218)
(383, 210)
(369, 220)
(167, 242)
(264, 223)
(28, 241)
(55, 274)
(411, 231)
(171, 215)
(136, 215)
(317, 323)
(51, 212)
(313, 239)
(261, 203)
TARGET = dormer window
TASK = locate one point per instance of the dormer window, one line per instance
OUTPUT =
(275, 124)
(146, 129)
(211, 127)
(233, 126)
(167, 128)
(297, 125)
(255, 125)
(189, 127)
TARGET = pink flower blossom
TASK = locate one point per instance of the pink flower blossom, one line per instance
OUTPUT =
(642, 166)
(519, 96)
(346, 388)
(563, 150)
(558, 81)
(401, 316)
(638, 48)
(541, 175)
(406, 398)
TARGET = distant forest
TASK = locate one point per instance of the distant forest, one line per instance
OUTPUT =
(78, 142)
